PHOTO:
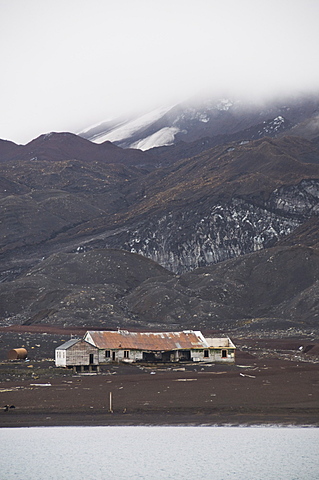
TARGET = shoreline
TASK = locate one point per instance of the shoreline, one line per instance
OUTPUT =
(265, 387)
(50, 419)
(58, 421)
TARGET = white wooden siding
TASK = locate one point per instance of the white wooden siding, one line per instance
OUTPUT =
(77, 354)
(214, 355)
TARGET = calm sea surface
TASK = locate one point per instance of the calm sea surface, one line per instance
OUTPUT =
(94, 453)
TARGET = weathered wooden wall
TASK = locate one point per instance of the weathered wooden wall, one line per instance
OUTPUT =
(78, 354)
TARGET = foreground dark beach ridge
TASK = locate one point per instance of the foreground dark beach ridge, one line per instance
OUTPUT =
(261, 388)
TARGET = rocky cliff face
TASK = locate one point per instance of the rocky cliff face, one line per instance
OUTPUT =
(183, 240)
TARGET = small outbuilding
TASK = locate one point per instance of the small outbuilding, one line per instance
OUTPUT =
(78, 354)
(220, 350)
(17, 354)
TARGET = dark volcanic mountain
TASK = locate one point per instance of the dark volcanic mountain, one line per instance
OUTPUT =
(9, 149)
(226, 202)
(77, 289)
(226, 238)
(67, 146)
(275, 289)
(181, 149)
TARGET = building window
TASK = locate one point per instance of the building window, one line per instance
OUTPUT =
(126, 353)
(206, 353)
(224, 353)
(107, 353)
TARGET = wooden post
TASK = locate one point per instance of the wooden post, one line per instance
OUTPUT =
(111, 406)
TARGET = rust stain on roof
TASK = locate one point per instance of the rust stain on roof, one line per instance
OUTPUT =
(162, 341)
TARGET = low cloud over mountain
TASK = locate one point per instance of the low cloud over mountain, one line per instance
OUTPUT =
(197, 119)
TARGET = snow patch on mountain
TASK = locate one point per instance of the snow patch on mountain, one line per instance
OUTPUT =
(224, 104)
(128, 129)
(165, 136)
(272, 126)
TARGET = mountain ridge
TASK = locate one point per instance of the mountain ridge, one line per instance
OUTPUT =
(55, 146)
(222, 237)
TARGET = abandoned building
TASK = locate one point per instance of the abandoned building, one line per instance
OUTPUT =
(77, 354)
(102, 347)
(188, 345)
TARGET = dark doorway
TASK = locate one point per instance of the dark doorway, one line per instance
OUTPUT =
(113, 356)
(148, 357)
(184, 355)
(91, 358)
(168, 356)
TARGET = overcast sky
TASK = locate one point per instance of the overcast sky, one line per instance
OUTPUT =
(67, 64)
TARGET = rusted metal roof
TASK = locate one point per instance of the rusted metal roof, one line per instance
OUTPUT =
(161, 341)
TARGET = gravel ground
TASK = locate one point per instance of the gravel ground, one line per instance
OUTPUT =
(265, 386)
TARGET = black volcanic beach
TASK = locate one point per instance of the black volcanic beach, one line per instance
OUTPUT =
(271, 383)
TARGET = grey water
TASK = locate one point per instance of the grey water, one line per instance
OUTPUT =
(154, 453)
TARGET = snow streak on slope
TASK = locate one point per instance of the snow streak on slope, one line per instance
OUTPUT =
(128, 129)
(165, 136)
